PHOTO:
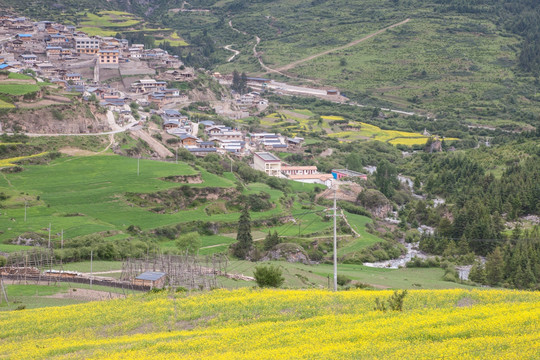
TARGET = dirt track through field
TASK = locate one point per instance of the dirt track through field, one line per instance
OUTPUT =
(352, 43)
(158, 147)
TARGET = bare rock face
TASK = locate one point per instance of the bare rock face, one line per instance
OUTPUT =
(289, 252)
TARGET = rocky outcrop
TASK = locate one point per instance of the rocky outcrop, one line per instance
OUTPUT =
(289, 252)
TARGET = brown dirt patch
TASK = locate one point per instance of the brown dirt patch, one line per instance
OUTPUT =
(41, 103)
(86, 295)
(76, 151)
(466, 302)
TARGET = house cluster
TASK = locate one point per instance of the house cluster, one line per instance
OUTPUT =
(274, 166)
(251, 100)
(157, 92)
(273, 141)
(48, 48)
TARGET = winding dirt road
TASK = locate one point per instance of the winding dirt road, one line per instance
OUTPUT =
(352, 43)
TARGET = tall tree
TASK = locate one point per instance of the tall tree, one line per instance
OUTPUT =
(236, 81)
(495, 267)
(244, 239)
(386, 178)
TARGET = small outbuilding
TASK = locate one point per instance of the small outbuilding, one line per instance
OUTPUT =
(154, 279)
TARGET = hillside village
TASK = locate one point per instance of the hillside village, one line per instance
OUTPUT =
(75, 62)
(231, 179)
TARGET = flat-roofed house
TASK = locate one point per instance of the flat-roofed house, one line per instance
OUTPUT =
(323, 179)
(267, 162)
(298, 170)
(29, 58)
(86, 45)
(108, 56)
(338, 174)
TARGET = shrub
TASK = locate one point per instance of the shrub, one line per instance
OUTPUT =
(343, 280)
(57, 114)
(190, 242)
(3, 261)
(394, 302)
(268, 276)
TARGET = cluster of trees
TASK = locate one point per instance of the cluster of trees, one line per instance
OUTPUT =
(239, 82)
(461, 180)
(514, 264)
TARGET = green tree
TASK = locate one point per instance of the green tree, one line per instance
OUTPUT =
(271, 240)
(494, 267)
(478, 273)
(236, 81)
(386, 178)
(268, 276)
(190, 242)
(244, 239)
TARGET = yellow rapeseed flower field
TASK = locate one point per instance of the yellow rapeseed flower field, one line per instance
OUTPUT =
(281, 324)
(12, 161)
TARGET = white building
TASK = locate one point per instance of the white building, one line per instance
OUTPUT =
(267, 162)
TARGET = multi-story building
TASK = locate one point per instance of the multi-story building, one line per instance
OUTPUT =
(86, 45)
(108, 56)
(267, 162)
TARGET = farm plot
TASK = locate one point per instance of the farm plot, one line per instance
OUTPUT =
(284, 324)
(17, 89)
(84, 195)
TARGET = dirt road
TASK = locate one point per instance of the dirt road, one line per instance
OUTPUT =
(236, 52)
(352, 43)
(158, 147)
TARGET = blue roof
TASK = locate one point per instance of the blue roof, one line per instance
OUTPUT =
(3, 66)
(151, 275)
(24, 35)
(202, 149)
(171, 112)
(257, 79)
(187, 136)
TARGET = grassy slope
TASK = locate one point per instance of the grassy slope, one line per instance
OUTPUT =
(93, 186)
(272, 324)
(457, 65)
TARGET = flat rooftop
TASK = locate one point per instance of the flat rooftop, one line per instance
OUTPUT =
(266, 156)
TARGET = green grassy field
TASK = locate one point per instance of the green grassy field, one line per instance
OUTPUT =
(110, 19)
(18, 89)
(92, 188)
(318, 276)
(440, 63)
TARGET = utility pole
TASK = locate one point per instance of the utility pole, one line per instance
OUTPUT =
(49, 245)
(3, 291)
(91, 266)
(335, 242)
